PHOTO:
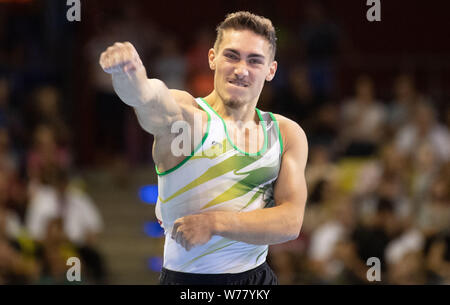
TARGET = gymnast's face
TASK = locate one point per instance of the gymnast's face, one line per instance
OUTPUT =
(241, 63)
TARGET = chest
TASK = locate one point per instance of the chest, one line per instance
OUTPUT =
(249, 139)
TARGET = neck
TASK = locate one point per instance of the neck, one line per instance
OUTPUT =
(244, 113)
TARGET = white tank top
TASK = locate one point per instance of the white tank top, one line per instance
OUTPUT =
(219, 176)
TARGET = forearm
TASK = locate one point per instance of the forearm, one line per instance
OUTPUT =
(152, 101)
(139, 91)
(261, 227)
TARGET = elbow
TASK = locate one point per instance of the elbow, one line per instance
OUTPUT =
(295, 228)
(294, 234)
(293, 220)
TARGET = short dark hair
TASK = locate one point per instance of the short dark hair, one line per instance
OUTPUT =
(247, 21)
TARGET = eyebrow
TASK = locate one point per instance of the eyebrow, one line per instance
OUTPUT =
(251, 54)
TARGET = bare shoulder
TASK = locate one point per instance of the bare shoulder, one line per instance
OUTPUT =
(292, 133)
(183, 98)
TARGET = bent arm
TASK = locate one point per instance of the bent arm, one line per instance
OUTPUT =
(282, 222)
(268, 226)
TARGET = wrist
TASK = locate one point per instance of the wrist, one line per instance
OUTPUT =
(219, 220)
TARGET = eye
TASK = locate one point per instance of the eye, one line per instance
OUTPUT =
(231, 56)
(255, 61)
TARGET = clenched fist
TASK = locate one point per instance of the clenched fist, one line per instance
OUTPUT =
(193, 230)
(120, 58)
(129, 77)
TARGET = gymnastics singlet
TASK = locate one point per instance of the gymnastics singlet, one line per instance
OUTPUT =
(219, 176)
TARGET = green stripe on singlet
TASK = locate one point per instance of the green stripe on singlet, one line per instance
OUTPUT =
(233, 163)
(253, 180)
(257, 258)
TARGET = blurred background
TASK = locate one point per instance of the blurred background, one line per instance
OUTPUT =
(76, 172)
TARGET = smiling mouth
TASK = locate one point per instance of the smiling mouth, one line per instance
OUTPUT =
(238, 83)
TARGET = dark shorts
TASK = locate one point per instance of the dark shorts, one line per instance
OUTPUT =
(261, 275)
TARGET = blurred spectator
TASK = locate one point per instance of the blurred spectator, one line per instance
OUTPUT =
(284, 263)
(55, 249)
(80, 219)
(324, 192)
(324, 128)
(297, 100)
(9, 161)
(353, 268)
(401, 109)
(45, 153)
(13, 195)
(46, 110)
(171, 65)
(341, 222)
(10, 220)
(15, 266)
(320, 42)
(371, 238)
(409, 270)
(388, 160)
(434, 213)
(385, 177)
(438, 259)
(404, 256)
(319, 172)
(423, 173)
(362, 120)
(424, 129)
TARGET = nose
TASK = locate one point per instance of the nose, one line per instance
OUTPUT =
(241, 70)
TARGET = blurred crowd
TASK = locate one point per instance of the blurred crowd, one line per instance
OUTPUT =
(46, 217)
(378, 172)
(378, 180)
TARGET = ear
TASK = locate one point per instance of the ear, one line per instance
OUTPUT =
(212, 58)
(272, 69)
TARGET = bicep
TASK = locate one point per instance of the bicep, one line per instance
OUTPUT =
(169, 106)
(290, 187)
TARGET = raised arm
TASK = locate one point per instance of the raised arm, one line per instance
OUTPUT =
(155, 105)
(274, 225)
